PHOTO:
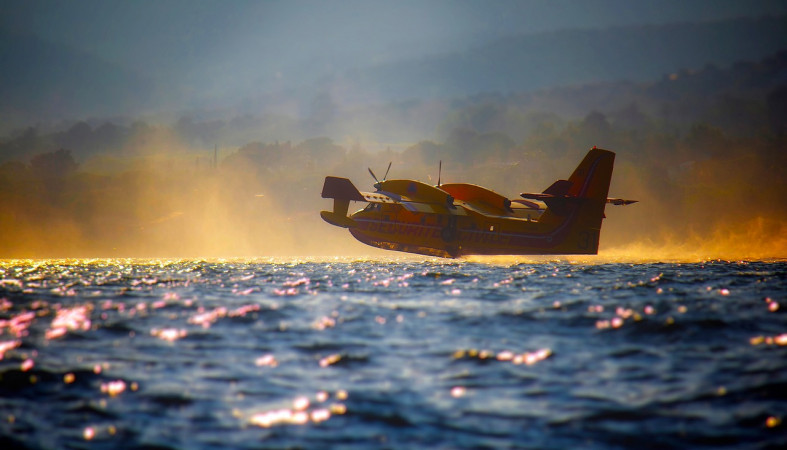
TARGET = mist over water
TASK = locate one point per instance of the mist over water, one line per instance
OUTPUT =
(213, 173)
(178, 204)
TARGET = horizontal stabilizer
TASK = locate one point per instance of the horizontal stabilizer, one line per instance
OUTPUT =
(559, 188)
(542, 197)
(339, 220)
(620, 201)
(342, 189)
(529, 204)
(559, 204)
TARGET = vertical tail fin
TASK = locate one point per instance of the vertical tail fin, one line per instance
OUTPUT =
(592, 177)
(584, 199)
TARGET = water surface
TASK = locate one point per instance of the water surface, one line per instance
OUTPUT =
(403, 354)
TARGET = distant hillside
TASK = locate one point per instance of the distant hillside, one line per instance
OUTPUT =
(745, 98)
(683, 96)
(42, 81)
(535, 61)
(674, 75)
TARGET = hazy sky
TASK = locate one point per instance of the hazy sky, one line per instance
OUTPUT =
(362, 25)
(267, 38)
(219, 51)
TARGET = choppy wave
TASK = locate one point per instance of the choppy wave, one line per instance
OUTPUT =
(399, 353)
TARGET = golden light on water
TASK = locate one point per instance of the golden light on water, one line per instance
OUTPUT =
(773, 421)
(266, 361)
(303, 410)
(780, 340)
(757, 238)
(330, 360)
(113, 388)
(27, 365)
(754, 239)
(300, 403)
(527, 358)
(8, 345)
(75, 318)
(169, 334)
(324, 322)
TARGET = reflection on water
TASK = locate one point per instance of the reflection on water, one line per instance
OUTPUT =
(400, 353)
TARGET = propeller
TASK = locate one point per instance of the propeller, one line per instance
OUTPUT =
(384, 177)
(439, 172)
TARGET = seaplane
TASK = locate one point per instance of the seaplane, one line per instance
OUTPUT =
(457, 219)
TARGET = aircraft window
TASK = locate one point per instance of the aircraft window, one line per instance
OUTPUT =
(491, 228)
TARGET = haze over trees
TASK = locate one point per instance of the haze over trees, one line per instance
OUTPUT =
(698, 123)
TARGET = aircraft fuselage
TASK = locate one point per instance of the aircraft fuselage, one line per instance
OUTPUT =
(452, 220)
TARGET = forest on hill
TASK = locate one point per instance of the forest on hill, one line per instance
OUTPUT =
(702, 149)
(209, 72)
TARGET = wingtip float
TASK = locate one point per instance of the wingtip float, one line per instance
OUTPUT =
(452, 220)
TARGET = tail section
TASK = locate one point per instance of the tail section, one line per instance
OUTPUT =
(576, 205)
(592, 177)
(342, 191)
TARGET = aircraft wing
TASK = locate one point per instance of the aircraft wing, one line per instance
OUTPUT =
(343, 189)
(432, 208)
(412, 205)
(482, 208)
(377, 197)
(478, 210)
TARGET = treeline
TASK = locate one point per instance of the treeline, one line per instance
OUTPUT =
(703, 151)
(745, 99)
(263, 198)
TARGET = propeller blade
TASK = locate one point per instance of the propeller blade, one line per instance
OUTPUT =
(439, 172)
(386, 171)
(373, 175)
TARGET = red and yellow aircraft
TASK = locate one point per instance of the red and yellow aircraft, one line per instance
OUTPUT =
(451, 220)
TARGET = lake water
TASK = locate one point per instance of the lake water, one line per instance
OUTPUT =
(392, 354)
